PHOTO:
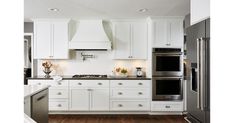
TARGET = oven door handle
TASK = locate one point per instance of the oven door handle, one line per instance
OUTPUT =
(168, 54)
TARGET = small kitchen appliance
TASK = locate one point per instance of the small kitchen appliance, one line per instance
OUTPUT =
(139, 72)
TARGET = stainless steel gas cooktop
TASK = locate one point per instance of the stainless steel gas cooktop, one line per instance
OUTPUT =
(89, 76)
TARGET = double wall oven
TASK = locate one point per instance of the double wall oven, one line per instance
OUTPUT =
(167, 74)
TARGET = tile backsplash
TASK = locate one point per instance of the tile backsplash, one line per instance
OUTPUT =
(102, 63)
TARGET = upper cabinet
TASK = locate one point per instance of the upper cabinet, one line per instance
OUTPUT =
(167, 32)
(199, 10)
(50, 39)
(130, 39)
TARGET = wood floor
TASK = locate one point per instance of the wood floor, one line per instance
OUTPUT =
(115, 119)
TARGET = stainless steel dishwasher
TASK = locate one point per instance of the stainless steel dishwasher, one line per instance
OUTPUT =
(39, 109)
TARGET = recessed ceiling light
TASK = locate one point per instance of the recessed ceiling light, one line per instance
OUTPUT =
(143, 10)
(53, 9)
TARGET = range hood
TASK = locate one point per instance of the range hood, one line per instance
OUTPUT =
(90, 35)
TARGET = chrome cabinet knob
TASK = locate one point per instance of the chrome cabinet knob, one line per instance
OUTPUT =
(140, 83)
(120, 93)
(59, 93)
(140, 105)
(120, 83)
(140, 93)
(99, 83)
(79, 83)
(39, 83)
(59, 83)
(168, 44)
(59, 105)
(120, 105)
(167, 106)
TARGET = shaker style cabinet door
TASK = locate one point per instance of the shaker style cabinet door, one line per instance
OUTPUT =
(51, 39)
(160, 33)
(100, 100)
(79, 99)
(130, 40)
(122, 39)
(139, 40)
(175, 33)
(60, 40)
(167, 33)
(42, 40)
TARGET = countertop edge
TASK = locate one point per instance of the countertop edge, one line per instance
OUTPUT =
(109, 78)
(43, 87)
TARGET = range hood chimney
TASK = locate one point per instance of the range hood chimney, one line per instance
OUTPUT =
(90, 35)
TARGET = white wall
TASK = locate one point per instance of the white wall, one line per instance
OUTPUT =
(101, 64)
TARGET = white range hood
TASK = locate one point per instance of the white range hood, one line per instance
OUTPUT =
(90, 35)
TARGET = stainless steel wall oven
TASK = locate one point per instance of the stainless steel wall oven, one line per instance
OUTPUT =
(167, 62)
(167, 88)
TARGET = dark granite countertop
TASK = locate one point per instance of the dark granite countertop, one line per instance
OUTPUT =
(108, 78)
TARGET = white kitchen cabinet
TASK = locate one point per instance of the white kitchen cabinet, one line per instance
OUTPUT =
(79, 99)
(199, 10)
(129, 95)
(130, 39)
(100, 100)
(167, 106)
(167, 33)
(58, 93)
(89, 95)
(50, 39)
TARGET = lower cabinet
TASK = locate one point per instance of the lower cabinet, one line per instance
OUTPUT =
(130, 95)
(79, 99)
(167, 106)
(133, 105)
(89, 95)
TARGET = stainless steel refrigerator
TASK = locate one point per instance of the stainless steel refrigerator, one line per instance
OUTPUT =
(198, 65)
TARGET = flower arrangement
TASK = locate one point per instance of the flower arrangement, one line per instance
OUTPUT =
(121, 71)
(47, 65)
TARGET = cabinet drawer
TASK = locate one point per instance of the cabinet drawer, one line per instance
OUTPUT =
(129, 83)
(129, 93)
(59, 83)
(58, 93)
(89, 83)
(58, 105)
(166, 106)
(38, 82)
(130, 105)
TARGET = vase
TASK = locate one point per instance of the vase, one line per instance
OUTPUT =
(47, 71)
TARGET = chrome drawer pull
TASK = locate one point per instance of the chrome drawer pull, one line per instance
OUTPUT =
(99, 83)
(59, 105)
(140, 105)
(59, 83)
(59, 93)
(120, 93)
(120, 83)
(39, 83)
(140, 93)
(120, 105)
(140, 83)
(79, 83)
(167, 106)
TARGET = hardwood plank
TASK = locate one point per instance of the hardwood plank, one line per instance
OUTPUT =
(116, 119)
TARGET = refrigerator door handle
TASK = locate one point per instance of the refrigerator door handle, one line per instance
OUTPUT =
(198, 74)
(202, 71)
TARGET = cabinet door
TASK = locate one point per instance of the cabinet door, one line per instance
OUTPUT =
(122, 38)
(79, 99)
(60, 40)
(42, 40)
(139, 40)
(160, 33)
(100, 100)
(175, 33)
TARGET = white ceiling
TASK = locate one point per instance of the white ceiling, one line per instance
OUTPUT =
(104, 8)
